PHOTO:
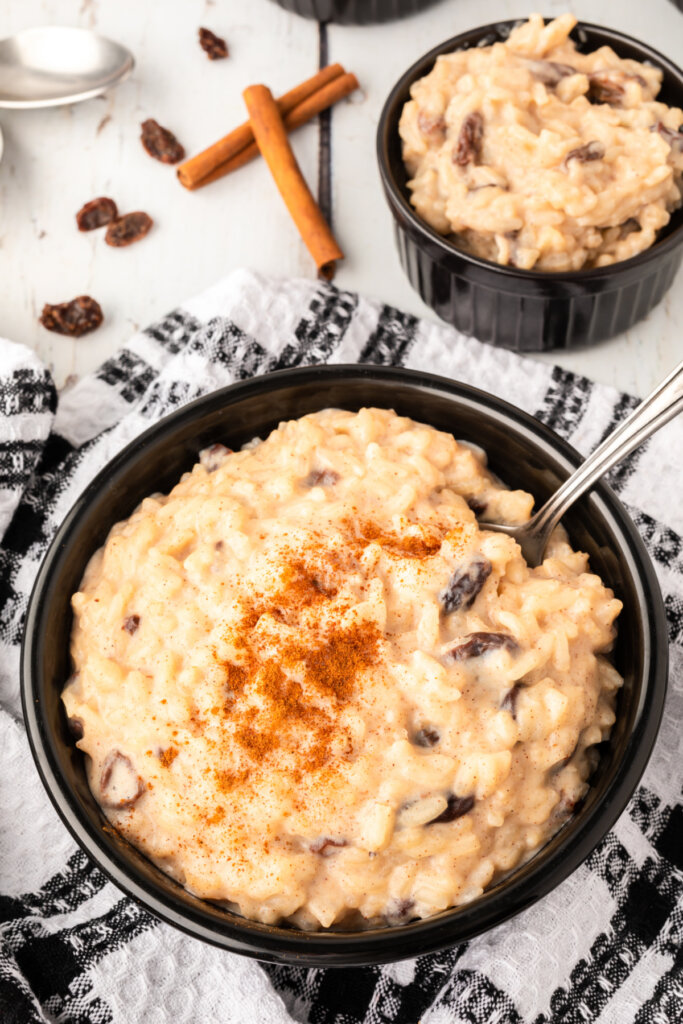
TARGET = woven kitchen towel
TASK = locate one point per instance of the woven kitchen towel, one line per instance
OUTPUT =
(604, 947)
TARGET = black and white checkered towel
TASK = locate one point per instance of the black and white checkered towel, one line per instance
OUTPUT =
(605, 947)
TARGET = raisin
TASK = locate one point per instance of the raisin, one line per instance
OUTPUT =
(550, 72)
(464, 585)
(399, 911)
(131, 624)
(477, 505)
(321, 478)
(591, 151)
(128, 229)
(509, 701)
(674, 138)
(160, 143)
(426, 737)
(133, 786)
(434, 127)
(80, 316)
(212, 458)
(213, 46)
(326, 846)
(477, 644)
(75, 727)
(610, 86)
(456, 808)
(96, 214)
(468, 147)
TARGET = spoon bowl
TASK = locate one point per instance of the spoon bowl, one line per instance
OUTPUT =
(54, 65)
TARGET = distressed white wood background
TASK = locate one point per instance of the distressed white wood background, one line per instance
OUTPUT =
(55, 160)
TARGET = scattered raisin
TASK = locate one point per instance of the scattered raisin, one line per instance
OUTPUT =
(128, 229)
(136, 787)
(213, 46)
(610, 86)
(80, 316)
(213, 457)
(674, 138)
(326, 846)
(434, 127)
(321, 478)
(160, 143)
(399, 911)
(131, 624)
(75, 727)
(477, 644)
(426, 737)
(509, 701)
(468, 147)
(457, 807)
(477, 505)
(550, 72)
(96, 214)
(464, 585)
(591, 151)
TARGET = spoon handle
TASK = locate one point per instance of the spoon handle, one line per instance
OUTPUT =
(658, 408)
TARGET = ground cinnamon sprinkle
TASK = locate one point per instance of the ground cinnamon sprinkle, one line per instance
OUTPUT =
(167, 757)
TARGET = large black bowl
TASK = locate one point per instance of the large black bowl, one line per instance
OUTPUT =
(355, 12)
(525, 454)
(528, 310)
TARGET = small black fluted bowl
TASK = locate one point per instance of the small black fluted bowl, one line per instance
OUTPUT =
(355, 12)
(525, 310)
(525, 454)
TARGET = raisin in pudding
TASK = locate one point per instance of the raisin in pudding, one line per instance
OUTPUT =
(310, 687)
(532, 154)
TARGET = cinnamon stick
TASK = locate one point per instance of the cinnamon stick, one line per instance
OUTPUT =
(210, 165)
(193, 171)
(271, 138)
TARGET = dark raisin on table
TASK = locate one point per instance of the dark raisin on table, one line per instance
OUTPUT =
(593, 150)
(161, 143)
(426, 737)
(464, 585)
(80, 316)
(128, 229)
(477, 644)
(470, 139)
(213, 46)
(131, 623)
(456, 808)
(96, 214)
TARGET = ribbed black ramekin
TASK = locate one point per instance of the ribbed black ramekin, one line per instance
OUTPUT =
(355, 12)
(524, 453)
(525, 310)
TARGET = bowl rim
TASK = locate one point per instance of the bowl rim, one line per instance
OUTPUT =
(388, 125)
(564, 852)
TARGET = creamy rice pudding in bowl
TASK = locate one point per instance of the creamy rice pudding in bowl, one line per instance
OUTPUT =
(535, 171)
(352, 724)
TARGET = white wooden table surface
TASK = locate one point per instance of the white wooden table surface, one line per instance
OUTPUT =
(55, 160)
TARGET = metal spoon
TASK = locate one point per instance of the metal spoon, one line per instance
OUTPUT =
(654, 411)
(46, 67)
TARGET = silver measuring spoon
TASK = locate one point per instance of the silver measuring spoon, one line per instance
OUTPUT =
(46, 67)
(665, 402)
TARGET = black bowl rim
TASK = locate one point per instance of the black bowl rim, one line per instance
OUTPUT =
(388, 124)
(569, 847)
